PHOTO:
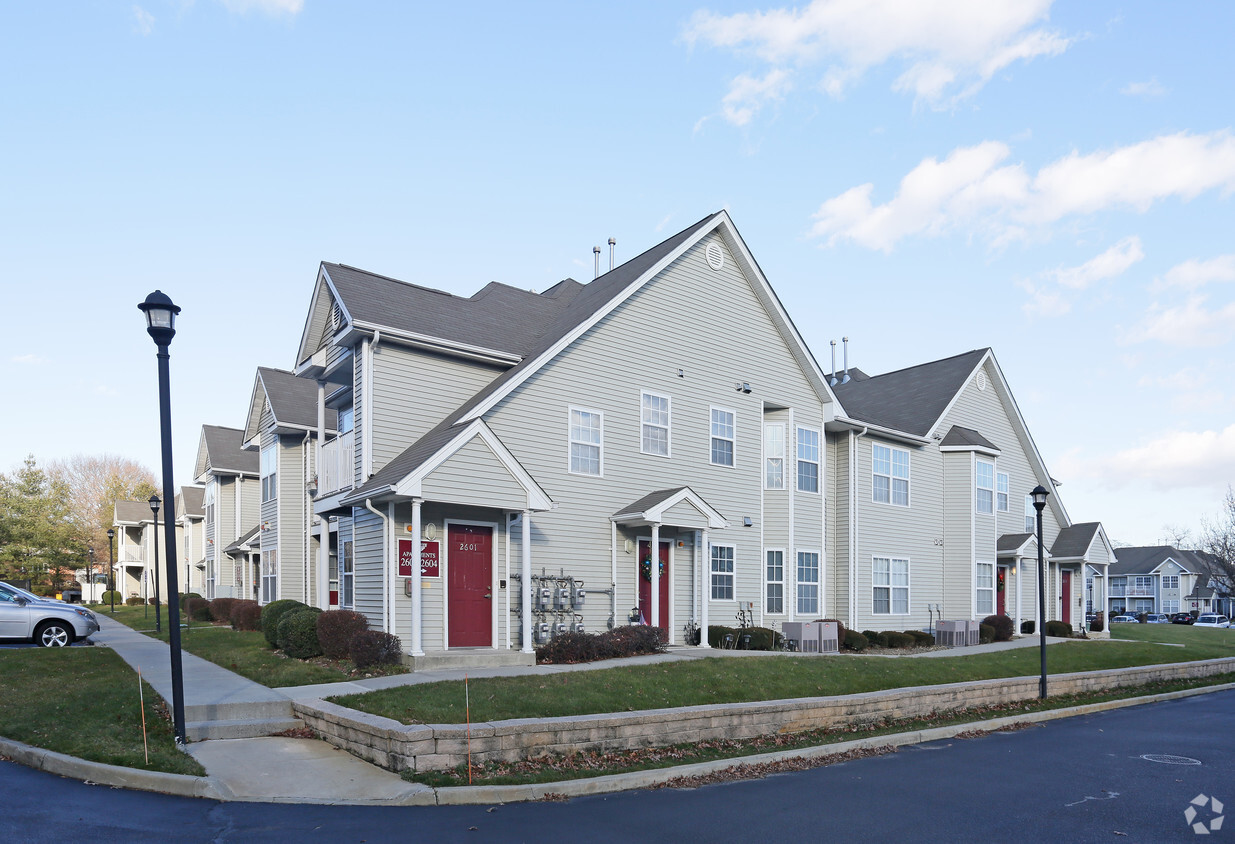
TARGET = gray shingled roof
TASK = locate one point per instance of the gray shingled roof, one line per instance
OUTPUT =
(1074, 541)
(226, 454)
(592, 298)
(961, 437)
(243, 539)
(193, 496)
(293, 400)
(498, 317)
(909, 400)
(1011, 542)
(133, 511)
(1142, 559)
(648, 501)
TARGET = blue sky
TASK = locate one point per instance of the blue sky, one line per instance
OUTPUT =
(1053, 180)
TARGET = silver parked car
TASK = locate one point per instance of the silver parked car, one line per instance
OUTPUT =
(1209, 619)
(48, 624)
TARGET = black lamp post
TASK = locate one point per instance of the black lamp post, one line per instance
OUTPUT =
(90, 573)
(158, 617)
(161, 325)
(111, 568)
(1039, 502)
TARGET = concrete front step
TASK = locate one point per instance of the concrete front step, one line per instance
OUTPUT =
(246, 710)
(243, 728)
(462, 659)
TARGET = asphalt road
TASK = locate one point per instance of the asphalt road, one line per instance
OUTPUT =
(1075, 780)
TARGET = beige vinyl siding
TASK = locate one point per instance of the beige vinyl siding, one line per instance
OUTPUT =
(225, 507)
(837, 479)
(958, 549)
(291, 522)
(684, 514)
(358, 411)
(474, 476)
(370, 564)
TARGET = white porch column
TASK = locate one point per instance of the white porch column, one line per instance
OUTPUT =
(655, 572)
(418, 615)
(525, 580)
(1020, 575)
(705, 589)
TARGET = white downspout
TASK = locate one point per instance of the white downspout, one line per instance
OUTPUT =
(654, 565)
(367, 461)
(526, 581)
(613, 597)
(368, 505)
(853, 524)
(705, 591)
(323, 533)
(392, 564)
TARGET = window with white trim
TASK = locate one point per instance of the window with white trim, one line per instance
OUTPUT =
(1031, 515)
(984, 487)
(774, 455)
(722, 572)
(986, 589)
(586, 441)
(270, 576)
(1001, 492)
(347, 574)
(270, 472)
(1170, 606)
(723, 437)
(347, 419)
(1143, 583)
(808, 583)
(890, 577)
(1170, 581)
(775, 603)
(890, 475)
(654, 436)
(808, 460)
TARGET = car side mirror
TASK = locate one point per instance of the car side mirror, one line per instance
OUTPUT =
(21, 602)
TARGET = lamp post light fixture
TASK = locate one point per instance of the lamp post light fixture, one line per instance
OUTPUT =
(111, 568)
(161, 314)
(1039, 495)
(158, 617)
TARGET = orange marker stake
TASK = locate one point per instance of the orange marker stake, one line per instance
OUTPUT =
(141, 698)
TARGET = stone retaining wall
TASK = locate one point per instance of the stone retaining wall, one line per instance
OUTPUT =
(431, 747)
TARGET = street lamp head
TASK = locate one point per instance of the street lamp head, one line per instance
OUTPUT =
(155, 501)
(1039, 495)
(160, 317)
(111, 533)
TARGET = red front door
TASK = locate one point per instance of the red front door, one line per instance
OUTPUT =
(470, 586)
(645, 585)
(1065, 589)
(1001, 591)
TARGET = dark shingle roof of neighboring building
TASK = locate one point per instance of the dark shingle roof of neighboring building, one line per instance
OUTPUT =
(909, 400)
(192, 497)
(498, 317)
(959, 437)
(224, 445)
(293, 400)
(1142, 559)
(592, 298)
(1074, 540)
(133, 511)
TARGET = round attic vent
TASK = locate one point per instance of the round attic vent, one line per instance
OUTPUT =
(981, 381)
(715, 256)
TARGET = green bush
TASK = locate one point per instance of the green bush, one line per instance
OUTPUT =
(335, 629)
(921, 639)
(570, 648)
(855, 641)
(271, 613)
(298, 633)
(1099, 623)
(1003, 626)
(1059, 628)
(717, 634)
(197, 609)
(986, 634)
(876, 637)
(376, 647)
(1027, 627)
(761, 638)
(1141, 618)
(246, 615)
(133, 602)
(184, 596)
(896, 639)
(107, 597)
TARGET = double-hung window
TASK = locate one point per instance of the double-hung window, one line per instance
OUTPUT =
(808, 460)
(1170, 581)
(984, 483)
(722, 437)
(774, 455)
(890, 578)
(270, 473)
(270, 576)
(775, 604)
(586, 430)
(347, 575)
(654, 437)
(1001, 492)
(986, 588)
(808, 583)
(722, 572)
(1031, 515)
(890, 475)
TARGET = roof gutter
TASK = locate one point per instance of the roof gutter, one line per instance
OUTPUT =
(437, 344)
(891, 433)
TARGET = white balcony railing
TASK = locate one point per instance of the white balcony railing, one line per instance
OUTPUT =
(1118, 591)
(131, 555)
(338, 465)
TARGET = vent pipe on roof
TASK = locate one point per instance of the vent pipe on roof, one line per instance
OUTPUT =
(596, 257)
(612, 243)
(833, 381)
(845, 380)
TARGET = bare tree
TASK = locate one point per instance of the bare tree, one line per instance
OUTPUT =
(1177, 536)
(1218, 540)
(96, 482)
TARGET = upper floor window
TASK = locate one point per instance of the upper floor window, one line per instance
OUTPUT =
(722, 437)
(1031, 514)
(655, 433)
(1170, 581)
(808, 460)
(347, 419)
(586, 428)
(890, 475)
(774, 456)
(984, 482)
(270, 476)
(1001, 492)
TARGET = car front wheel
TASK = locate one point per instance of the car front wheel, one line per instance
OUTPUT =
(54, 634)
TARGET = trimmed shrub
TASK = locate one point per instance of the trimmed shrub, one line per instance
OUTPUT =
(184, 596)
(1059, 628)
(335, 629)
(375, 647)
(717, 634)
(107, 597)
(246, 615)
(761, 638)
(855, 641)
(197, 609)
(877, 637)
(1003, 626)
(569, 648)
(632, 640)
(896, 639)
(921, 639)
(154, 599)
(1141, 618)
(298, 633)
(221, 610)
(271, 613)
(133, 602)
(1099, 623)
(986, 634)
(1027, 627)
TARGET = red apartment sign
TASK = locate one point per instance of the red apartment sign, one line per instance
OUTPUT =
(428, 559)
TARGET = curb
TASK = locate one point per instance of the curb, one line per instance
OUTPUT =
(183, 785)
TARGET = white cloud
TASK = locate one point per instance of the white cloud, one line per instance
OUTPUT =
(268, 7)
(1190, 324)
(950, 48)
(973, 189)
(748, 94)
(1152, 88)
(1194, 273)
(143, 21)
(29, 360)
(1113, 262)
(1175, 460)
(1044, 301)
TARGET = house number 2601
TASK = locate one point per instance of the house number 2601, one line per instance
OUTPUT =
(469, 546)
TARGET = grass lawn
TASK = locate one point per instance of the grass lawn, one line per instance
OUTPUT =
(731, 680)
(249, 654)
(84, 702)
